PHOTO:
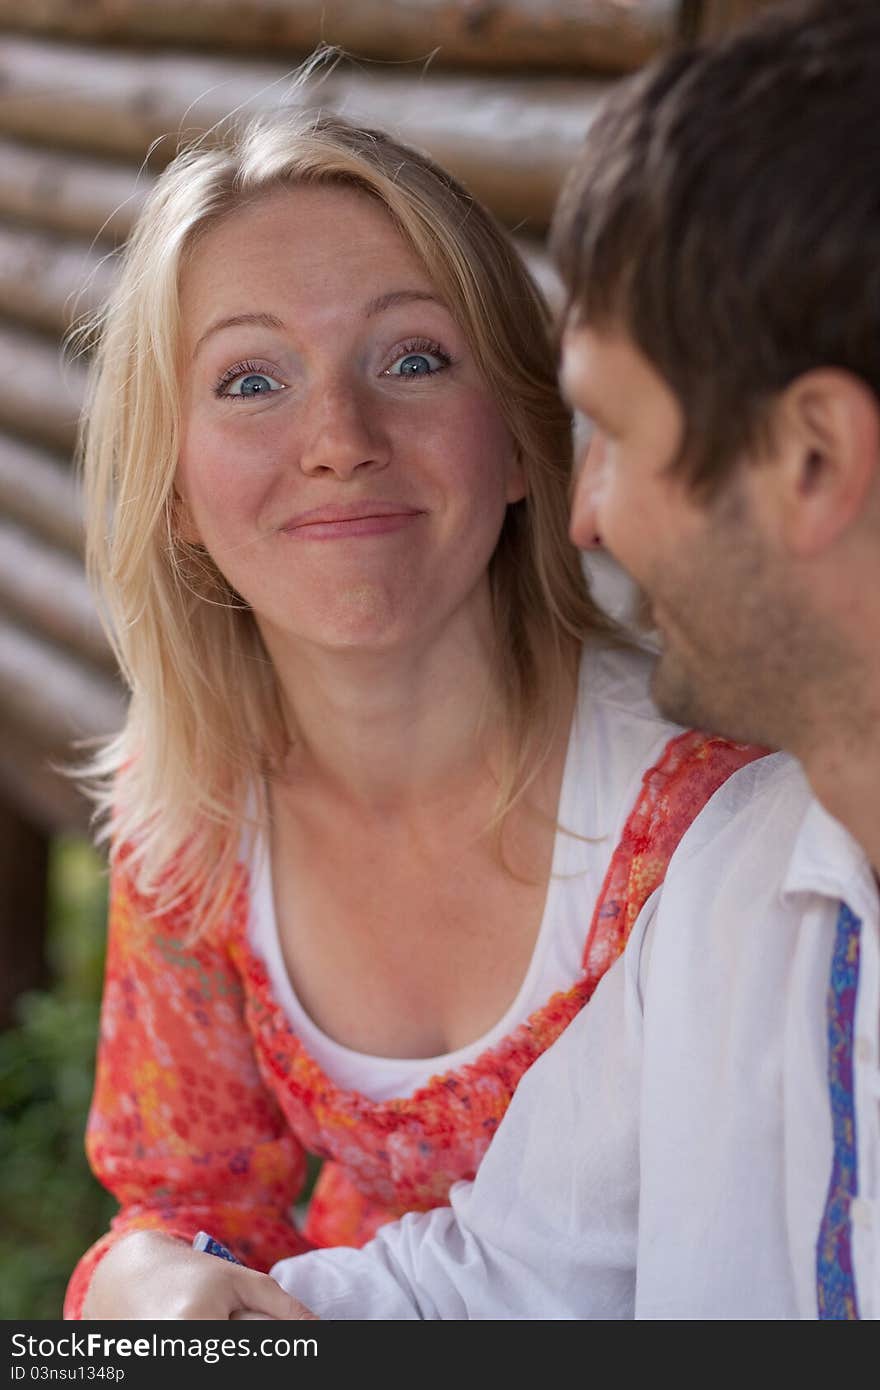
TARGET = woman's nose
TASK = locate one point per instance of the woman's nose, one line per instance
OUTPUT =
(341, 434)
(584, 528)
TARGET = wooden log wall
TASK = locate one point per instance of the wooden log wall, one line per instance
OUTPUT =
(94, 95)
(578, 35)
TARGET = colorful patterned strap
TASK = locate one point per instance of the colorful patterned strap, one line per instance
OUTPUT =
(690, 770)
(835, 1282)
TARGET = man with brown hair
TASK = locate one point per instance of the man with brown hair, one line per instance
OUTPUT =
(704, 1139)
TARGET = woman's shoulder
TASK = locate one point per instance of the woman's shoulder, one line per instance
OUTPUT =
(173, 906)
(617, 737)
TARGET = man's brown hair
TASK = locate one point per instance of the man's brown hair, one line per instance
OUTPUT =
(726, 216)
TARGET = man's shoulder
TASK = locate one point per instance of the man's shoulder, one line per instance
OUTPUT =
(723, 900)
(752, 822)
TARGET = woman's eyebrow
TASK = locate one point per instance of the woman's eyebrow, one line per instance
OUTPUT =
(389, 300)
(394, 297)
(236, 321)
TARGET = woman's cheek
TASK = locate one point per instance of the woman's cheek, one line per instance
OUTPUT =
(226, 486)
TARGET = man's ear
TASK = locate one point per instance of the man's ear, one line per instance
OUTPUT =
(826, 457)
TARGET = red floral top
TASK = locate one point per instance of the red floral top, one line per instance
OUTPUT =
(206, 1102)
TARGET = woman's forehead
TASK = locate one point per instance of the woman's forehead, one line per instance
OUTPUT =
(305, 244)
(286, 216)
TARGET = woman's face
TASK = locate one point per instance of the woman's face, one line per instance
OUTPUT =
(342, 460)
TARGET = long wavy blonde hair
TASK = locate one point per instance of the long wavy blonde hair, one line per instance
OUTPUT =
(187, 774)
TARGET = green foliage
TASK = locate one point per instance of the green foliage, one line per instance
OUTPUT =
(52, 1208)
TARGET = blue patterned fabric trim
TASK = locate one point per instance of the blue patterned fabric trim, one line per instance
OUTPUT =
(835, 1284)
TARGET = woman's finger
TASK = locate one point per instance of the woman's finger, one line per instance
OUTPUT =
(262, 1297)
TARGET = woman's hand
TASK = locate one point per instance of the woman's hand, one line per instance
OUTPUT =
(151, 1276)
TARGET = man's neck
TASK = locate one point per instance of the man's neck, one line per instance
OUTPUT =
(846, 779)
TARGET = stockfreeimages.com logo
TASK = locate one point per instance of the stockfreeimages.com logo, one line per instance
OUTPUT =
(210, 1350)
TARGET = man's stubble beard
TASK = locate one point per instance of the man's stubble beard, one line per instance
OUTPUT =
(732, 658)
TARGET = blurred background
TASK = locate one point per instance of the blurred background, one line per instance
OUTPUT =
(94, 96)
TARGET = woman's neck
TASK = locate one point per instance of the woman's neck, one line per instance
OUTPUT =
(389, 731)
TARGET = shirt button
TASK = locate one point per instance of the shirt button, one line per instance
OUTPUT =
(863, 1050)
(860, 1213)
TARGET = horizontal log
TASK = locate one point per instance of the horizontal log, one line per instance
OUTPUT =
(66, 192)
(51, 696)
(40, 397)
(39, 491)
(48, 281)
(46, 590)
(717, 17)
(44, 795)
(510, 141)
(614, 35)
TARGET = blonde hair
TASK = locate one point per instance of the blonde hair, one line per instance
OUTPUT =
(204, 725)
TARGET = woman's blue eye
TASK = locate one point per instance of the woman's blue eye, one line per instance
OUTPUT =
(417, 364)
(253, 384)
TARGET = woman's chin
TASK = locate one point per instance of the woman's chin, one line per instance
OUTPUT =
(363, 617)
(365, 634)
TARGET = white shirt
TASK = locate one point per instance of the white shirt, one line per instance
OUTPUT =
(669, 1156)
(616, 735)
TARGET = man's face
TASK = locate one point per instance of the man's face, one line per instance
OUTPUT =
(711, 583)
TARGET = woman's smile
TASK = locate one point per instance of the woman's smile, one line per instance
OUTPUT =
(352, 520)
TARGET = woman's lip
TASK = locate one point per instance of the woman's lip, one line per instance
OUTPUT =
(366, 523)
(348, 511)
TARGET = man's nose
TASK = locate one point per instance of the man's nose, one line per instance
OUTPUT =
(584, 528)
(340, 432)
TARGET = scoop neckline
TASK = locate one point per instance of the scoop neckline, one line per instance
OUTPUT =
(310, 1034)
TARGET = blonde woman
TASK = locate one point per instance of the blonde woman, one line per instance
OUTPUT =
(391, 791)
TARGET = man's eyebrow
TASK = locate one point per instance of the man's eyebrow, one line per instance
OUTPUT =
(394, 297)
(237, 321)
